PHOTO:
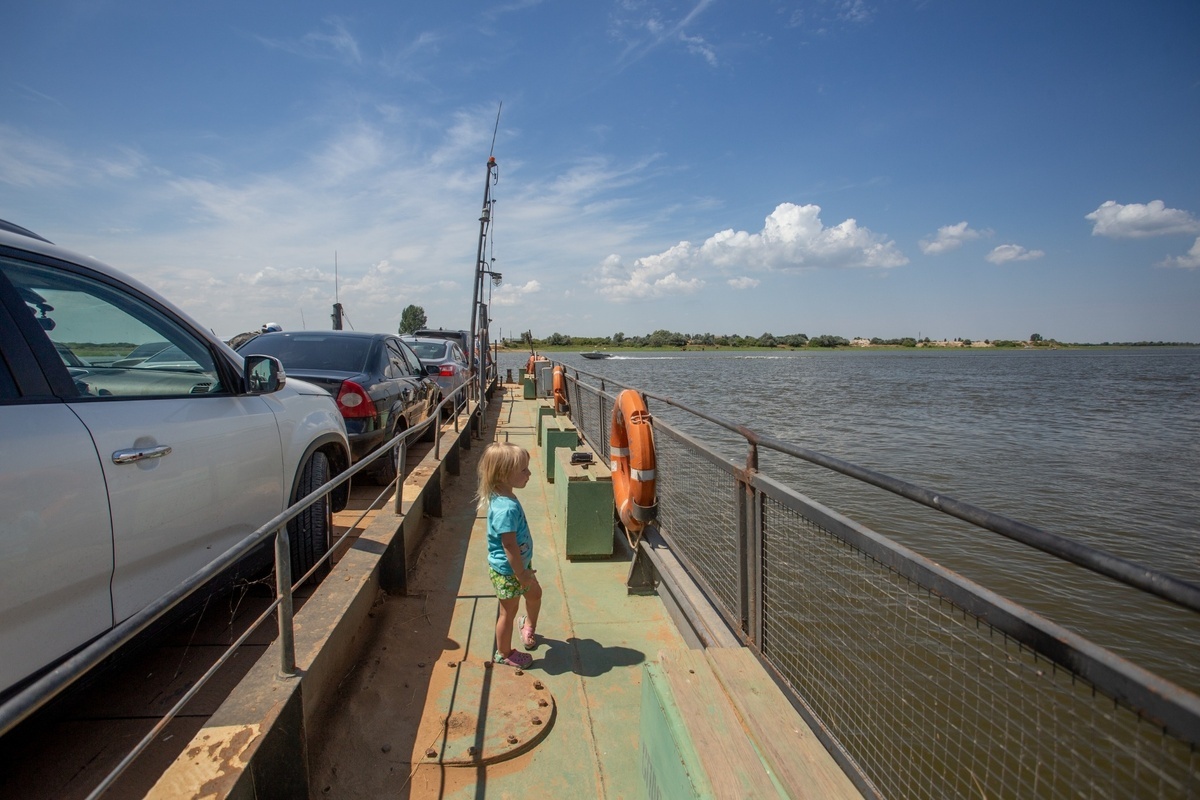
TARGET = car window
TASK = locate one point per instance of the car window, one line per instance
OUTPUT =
(397, 362)
(8, 387)
(433, 351)
(414, 363)
(95, 328)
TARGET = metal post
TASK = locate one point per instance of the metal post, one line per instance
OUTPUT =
(437, 435)
(283, 588)
(750, 543)
(401, 460)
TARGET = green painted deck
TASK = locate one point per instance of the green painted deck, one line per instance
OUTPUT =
(404, 714)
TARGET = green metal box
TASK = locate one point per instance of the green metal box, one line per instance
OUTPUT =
(585, 505)
(545, 409)
(556, 432)
(529, 387)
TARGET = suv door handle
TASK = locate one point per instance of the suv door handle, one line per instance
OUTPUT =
(140, 454)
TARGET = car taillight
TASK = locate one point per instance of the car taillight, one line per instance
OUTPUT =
(448, 371)
(353, 402)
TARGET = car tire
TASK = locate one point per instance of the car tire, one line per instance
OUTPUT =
(389, 466)
(309, 533)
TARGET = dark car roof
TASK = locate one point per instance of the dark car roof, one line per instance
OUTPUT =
(442, 333)
(316, 350)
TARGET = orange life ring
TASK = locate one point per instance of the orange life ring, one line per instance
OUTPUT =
(560, 389)
(631, 452)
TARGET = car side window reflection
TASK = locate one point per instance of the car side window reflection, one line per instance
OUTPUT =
(112, 344)
(8, 387)
(396, 357)
(414, 363)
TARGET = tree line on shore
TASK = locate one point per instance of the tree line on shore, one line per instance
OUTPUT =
(663, 339)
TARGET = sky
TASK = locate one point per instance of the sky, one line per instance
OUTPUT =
(874, 168)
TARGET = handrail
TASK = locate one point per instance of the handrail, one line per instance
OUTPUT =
(1152, 581)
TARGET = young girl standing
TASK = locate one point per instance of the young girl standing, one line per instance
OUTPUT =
(502, 468)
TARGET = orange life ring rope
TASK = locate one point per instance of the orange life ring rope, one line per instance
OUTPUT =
(631, 451)
(560, 389)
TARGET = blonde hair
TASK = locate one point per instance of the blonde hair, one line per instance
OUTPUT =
(499, 461)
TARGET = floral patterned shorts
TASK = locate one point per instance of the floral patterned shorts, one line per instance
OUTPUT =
(507, 586)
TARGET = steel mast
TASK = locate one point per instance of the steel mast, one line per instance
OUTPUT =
(479, 316)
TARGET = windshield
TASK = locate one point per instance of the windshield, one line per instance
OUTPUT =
(428, 350)
(316, 351)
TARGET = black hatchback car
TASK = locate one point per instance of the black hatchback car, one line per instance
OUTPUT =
(380, 385)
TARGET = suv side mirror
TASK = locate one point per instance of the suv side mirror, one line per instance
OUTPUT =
(263, 374)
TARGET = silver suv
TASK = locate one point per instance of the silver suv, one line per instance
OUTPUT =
(120, 476)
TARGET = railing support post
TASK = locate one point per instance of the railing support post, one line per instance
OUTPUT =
(437, 434)
(401, 461)
(283, 588)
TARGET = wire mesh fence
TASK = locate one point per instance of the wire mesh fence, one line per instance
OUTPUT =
(929, 686)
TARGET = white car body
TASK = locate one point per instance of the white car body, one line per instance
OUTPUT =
(85, 541)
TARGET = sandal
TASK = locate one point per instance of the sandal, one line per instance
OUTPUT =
(528, 637)
(514, 659)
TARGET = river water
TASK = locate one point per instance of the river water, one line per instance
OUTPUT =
(1102, 446)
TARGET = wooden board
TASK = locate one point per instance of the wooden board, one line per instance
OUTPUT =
(729, 759)
(800, 762)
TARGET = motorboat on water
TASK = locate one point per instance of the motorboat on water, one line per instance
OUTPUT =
(595, 354)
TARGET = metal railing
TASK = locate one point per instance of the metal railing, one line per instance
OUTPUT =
(920, 682)
(37, 694)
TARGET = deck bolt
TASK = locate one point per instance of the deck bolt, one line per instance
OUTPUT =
(421, 664)
(542, 703)
(538, 685)
(536, 720)
(471, 751)
(453, 664)
(512, 740)
(431, 753)
(520, 672)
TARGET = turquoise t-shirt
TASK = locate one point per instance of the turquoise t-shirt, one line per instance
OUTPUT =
(505, 515)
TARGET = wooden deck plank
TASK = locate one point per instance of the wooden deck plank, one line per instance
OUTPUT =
(731, 763)
(801, 763)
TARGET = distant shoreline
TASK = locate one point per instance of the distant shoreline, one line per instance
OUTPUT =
(572, 348)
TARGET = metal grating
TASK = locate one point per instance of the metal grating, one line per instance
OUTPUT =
(932, 702)
(698, 496)
(591, 411)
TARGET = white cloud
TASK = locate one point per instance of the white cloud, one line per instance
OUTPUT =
(336, 42)
(507, 295)
(743, 282)
(1012, 252)
(793, 237)
(278, 277)
(697, 46)
(634, 29)
(649, 277)
(1189, 261)
(949, 237)
(1135, 220)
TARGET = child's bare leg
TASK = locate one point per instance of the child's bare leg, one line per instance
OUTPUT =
(533, 604)
(504, 624)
